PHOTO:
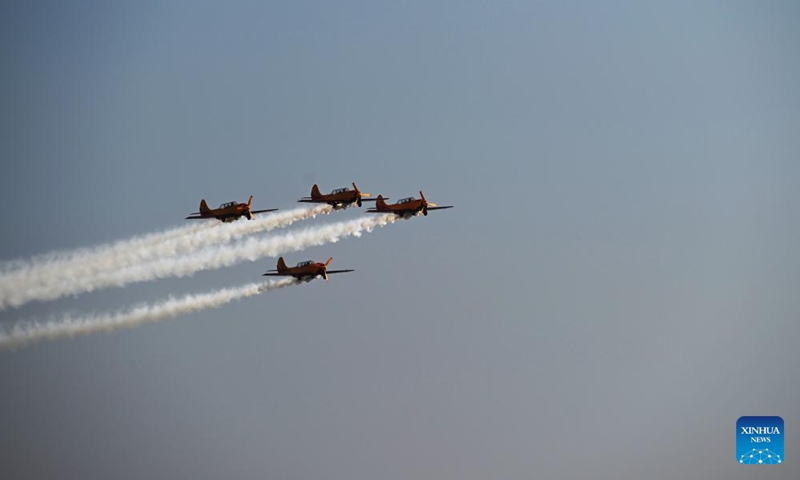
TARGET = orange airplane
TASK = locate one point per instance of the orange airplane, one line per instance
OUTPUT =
(406, 207)
(304, 271)
(227, 212)
(339, 198)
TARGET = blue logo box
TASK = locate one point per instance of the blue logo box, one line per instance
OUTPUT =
(759, 440)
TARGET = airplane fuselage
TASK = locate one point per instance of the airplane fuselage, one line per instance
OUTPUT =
(339, 198)
(339, 201)
(229, 214)
(406, 207)
(305, 273)
(405, 210)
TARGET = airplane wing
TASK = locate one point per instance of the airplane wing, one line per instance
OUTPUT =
(440, 208)
(263, 211)
(372, 199)
(197, 217)
(308, 200)
(269, 274)
(339, 271)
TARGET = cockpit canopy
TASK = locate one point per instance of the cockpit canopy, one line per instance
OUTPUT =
(406, 200)
(229, 204)
(338, 190)
(305, 263)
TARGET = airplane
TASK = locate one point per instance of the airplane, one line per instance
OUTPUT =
(339, 198)
(227, 212)
(406, 207)
(304, 271)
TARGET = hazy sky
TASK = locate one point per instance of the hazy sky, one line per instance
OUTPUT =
(617, 284)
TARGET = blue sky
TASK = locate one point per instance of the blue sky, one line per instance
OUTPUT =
(623, 251)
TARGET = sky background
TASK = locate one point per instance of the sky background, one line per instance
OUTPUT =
(617, 284)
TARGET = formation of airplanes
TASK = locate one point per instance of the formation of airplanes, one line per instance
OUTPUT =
(340, 198)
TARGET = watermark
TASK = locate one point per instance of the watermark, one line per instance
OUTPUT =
(759, 440)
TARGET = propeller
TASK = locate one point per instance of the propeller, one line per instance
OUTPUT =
(359, 194)
(425, 203)
(325, 267)
(363, 194)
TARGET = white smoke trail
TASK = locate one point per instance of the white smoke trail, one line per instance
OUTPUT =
(28, 333)
(210, 258)
(50, 272)
(60, 258)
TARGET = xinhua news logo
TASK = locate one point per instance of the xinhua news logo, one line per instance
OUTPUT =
(759, 440)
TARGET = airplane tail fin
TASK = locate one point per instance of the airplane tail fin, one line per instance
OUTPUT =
(281, 264)
(250, 202)
(315, 193)
(380, 203)
(204, 206)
